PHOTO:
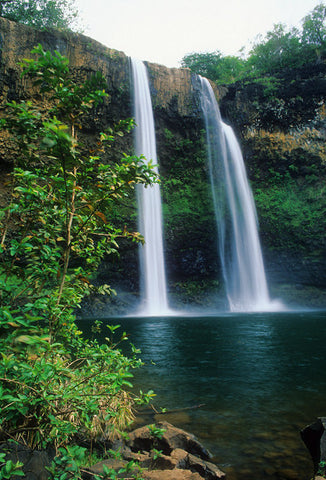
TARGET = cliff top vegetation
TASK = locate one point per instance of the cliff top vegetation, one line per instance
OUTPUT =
(42, 14)
(281, 49)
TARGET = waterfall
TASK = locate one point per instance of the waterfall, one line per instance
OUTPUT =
(239, 245)
(153, 277)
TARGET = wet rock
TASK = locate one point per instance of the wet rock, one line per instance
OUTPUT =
(206, 469)
(180, 456)
(167, 458)
(172, 438)
(314, 438)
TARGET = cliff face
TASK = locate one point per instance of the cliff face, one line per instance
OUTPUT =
(171, 88)
(283, 137)
(190, 233)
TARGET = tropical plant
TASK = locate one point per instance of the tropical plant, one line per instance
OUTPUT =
(8, 468)
(57, 386)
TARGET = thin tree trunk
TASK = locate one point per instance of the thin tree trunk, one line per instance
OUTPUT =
(69, 238)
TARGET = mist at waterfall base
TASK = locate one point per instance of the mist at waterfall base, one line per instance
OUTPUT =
(259, 378)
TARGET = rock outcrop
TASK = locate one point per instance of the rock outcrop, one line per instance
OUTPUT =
(314, 438)
(172, 89)
(174, 454)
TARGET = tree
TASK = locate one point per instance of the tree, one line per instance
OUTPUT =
(203, 64)
(314, 29)
(214, 66)
(55, 230)
(42, 14)
(281, 48)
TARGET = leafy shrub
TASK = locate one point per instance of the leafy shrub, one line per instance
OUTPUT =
(56, 386)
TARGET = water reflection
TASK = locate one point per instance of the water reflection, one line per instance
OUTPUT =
(261, 378)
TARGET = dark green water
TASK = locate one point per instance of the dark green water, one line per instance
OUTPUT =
(261, 378)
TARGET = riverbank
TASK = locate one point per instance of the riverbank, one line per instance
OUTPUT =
(152, 452)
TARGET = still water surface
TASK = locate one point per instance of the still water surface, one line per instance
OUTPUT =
(261, 378)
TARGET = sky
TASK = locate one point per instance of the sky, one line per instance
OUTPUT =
(164, 31)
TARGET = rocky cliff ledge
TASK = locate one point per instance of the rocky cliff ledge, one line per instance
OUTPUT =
(171, 88)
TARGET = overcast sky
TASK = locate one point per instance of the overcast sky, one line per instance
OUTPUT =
(164, 31)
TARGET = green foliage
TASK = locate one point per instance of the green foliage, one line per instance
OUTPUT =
(9, 469)
(202, 63)
(156, 453)
(277, 156)
(67, 464)
(41, 14)
(281, 49)
(287, 172)
(194, 291)
(291, 216)
(56, 386)
(322, 469)
(186, 207)
(187, 174)
(222, 69)
(278, 50)
(52, 392)
(314, 29)
(281, 116)
(73, 461)
(60, 198)
(156, 431)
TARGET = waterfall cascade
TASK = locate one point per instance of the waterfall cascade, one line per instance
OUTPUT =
(239, 245)
(149, 201)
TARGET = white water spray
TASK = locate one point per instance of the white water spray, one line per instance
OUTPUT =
(239, 245)
(149, 201)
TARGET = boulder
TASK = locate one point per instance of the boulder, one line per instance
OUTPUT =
(182, 455)
(314, 437)
(172, 438)
(167, 454)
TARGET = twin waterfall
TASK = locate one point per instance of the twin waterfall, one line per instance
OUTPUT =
(239, 245)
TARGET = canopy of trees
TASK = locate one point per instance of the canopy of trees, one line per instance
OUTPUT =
(282, 48)
(41, 14)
